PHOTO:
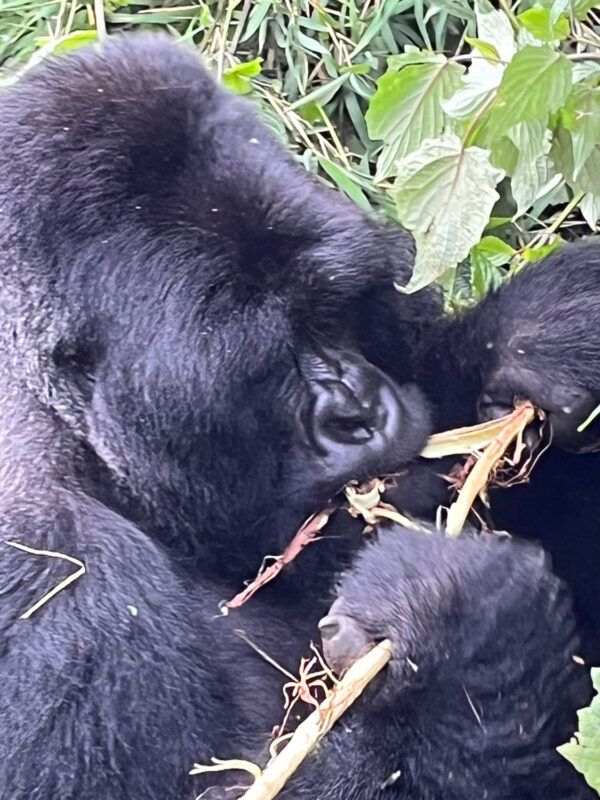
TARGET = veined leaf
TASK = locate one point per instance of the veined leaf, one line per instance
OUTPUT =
(444, 194)
(539, 22)
(493, 250)
(478, 87)
(584, 751)
(496, 38)
(533, 170)
(588, 177)
(494, 28)
(411, 55)
(590, 208)
(581, 115)
(536, 82)
(406, 108)
(487, 50)
(558, 8)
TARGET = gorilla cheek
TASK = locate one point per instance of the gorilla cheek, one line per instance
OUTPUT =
(566, 425)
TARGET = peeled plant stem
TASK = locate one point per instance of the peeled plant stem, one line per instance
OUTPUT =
(512, 425)
(308, 733)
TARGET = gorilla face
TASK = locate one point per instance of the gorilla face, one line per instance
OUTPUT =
(172, 414)
(208, 290)
(539, 345)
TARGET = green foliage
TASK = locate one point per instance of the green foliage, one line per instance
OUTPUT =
(407, 108)
(583, 751)
(532, 118)
(444, 194)
(452, 117)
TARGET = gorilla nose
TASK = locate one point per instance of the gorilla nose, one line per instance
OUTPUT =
(351, 413)
(358, 422)
(343, 640)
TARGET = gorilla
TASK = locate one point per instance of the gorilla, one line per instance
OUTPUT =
(201, 345)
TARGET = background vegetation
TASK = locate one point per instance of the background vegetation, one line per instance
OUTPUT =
(475, 126)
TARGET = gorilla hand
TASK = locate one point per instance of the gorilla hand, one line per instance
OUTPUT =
(448, 606)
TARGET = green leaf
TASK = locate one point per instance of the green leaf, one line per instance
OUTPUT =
(411, 55)
(323, 94)
(237, 78)
(343, 178)
(406, 108)
(357, 69)
(477, 88)
(504, 154)
(561, 152)
(581, 115)
(249, 69)
(538, 21)
(558, 8)
(494, 27)
(590, 208)
(533, 254)
(311, 112)
(581, 8)
(444, 194)
(536, 82)
(73, 41)
(497, 222)
(487, 258)
(64, 44)
(583, 751)
(493, 250)
(588, 177)
(488, 51)
(533, 170)
(585, 69)
(257, 15)
(484, 75)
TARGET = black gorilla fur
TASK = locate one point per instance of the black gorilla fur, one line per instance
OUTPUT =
(187, 325)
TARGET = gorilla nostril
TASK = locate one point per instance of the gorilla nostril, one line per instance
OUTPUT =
(350, 430)
(492, 407)
(343, 414)
(329, 627)
(343, 640)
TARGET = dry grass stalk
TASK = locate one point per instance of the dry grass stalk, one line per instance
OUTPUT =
(315, 726)
(59, 587)
(466, 441)
(512, 427)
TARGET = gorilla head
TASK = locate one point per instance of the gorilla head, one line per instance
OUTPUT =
(540, 344)
(192, 300)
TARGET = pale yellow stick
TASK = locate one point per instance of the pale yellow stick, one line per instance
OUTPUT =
(478, 477)
(464, 441)
(308, 733)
